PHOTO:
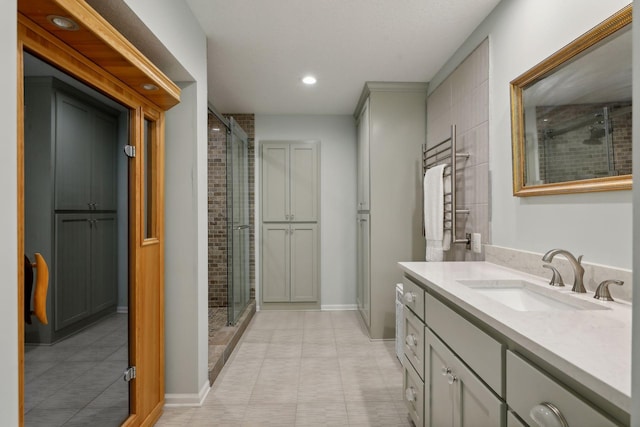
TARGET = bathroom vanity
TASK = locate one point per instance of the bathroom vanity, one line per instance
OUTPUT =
(488, 345)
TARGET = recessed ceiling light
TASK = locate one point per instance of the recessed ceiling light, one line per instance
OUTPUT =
(63, 22)
(309, 80)
(149, 86)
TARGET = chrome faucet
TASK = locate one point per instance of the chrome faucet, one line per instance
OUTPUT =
(578, 271)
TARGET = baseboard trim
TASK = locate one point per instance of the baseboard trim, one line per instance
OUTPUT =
(176, 400)
(122, 309)
(338, 307)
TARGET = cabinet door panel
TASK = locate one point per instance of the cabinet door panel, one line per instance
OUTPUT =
(304, 182)
(363, 268)
(363, 159)
(103, 161)
(275, 182)
(438, 406)
(470, 402)
(72, 269)
(304, 262)
(275, 263)
(73, 154)
(104, 262)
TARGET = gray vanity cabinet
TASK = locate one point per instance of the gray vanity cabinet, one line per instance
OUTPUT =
(71, 204)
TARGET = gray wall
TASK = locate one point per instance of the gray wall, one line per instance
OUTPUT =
(635, 328)
(337, 135)
(536, 224)
(8, 217)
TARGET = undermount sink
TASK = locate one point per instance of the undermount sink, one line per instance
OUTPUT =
(521, 295)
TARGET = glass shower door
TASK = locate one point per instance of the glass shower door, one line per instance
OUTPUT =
(237, 222)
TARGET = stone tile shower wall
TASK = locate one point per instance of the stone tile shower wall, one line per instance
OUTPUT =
(463, 99)
(564, 154)
(217, 206)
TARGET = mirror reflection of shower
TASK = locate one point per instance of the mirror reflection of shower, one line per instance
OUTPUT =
(584, 141)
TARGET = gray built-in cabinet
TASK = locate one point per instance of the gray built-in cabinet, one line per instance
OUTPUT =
(71, 204)
(290, 223)
(391, 120)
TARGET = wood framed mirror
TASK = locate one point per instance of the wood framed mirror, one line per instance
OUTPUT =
(571, 115)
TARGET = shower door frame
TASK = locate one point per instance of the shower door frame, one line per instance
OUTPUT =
(238, 229)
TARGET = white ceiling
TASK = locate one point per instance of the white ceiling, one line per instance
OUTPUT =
(258, 50)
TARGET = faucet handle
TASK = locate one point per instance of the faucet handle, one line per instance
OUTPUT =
(602, 292)
(556, 278)
(580, 259)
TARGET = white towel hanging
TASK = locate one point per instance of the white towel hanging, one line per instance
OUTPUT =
(438, 239)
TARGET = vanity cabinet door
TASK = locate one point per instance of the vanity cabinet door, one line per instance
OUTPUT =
(454, 396)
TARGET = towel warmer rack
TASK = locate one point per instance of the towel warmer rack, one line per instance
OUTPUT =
(435, 155)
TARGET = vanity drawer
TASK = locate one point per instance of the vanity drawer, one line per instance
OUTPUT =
(413, 297)
(413, 387)
(414, 341)
(528, 387)
(481, 352)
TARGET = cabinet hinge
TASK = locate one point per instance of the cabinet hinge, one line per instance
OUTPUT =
(129, 373)
(130, 151)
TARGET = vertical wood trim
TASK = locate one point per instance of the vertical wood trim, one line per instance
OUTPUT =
(20, 246)
(136, 132)
(160, 230)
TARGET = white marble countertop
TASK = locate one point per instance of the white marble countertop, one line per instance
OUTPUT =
(591, 346)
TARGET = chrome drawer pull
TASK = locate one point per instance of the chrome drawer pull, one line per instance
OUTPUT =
(411, 340)
(547, 414)
(410, 394)
(409, 297)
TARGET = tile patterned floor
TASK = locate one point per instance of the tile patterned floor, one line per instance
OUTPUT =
(303, 369)
(78, 381)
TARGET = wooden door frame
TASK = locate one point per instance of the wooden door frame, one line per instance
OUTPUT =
(70, 53)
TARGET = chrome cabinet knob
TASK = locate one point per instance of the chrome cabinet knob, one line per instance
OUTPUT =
(409, 297)
(451, 378)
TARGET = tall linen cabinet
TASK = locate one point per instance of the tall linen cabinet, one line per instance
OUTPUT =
(71, 204)
(391, 121)
(290, 245)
